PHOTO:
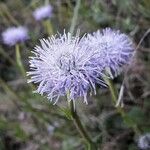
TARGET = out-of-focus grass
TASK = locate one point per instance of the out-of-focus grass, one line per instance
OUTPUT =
(29, 121)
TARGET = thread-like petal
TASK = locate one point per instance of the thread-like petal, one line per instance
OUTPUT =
(63, 64)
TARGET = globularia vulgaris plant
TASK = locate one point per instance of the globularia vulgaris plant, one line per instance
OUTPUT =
(72, 66)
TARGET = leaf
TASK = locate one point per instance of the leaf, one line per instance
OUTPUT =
(135, 116)
(66, 112)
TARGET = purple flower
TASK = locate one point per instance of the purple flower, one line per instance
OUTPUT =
(144, 142)
(13, 35)
(63, 64)
(43, 12)
(115, 49)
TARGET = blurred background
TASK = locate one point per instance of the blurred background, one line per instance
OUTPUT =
(30, 122)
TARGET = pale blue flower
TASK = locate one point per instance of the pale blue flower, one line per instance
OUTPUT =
(62, 64)
(43, 12)
(13, 35)
(115, 49)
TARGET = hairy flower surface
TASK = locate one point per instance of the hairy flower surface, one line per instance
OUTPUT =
(43, 12)
(115, 49)
(64, 65)
(144, 142)
(13, 35)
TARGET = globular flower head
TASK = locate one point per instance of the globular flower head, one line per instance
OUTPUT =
(144, 142)
(115, 49)
(43, 12)
(13, 35)
(64, 65)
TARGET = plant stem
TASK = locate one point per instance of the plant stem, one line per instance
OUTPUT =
(119, 108)
(112, 90)
(114, 96)
(48, 26)
(20, 65)
(75, 16)
(80, 128)
(18, 60)
(90, 144)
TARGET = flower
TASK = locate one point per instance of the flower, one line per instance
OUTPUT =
(13, 35)
(43, 12)
(63, 65)
(144, 142)
(115, 49)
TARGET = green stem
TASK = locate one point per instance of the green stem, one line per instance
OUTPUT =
(114, 96)
(112, 90)
(18, 60)
(91, 145)
(75, 16)
(20, 65)
(48, 26)
(119, 108)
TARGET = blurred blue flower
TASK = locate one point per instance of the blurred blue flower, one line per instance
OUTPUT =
(13, 35)
(115, 49)
(144, 141)
(43, 12)
(63, 64)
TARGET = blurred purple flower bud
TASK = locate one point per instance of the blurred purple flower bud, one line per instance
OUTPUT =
(43, 12)
(13, 35)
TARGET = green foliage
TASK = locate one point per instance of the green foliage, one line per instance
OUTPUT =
(14, 127)
(136, 115)
(144, 8)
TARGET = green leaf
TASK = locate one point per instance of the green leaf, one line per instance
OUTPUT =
(66, 112)
(135, 116)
